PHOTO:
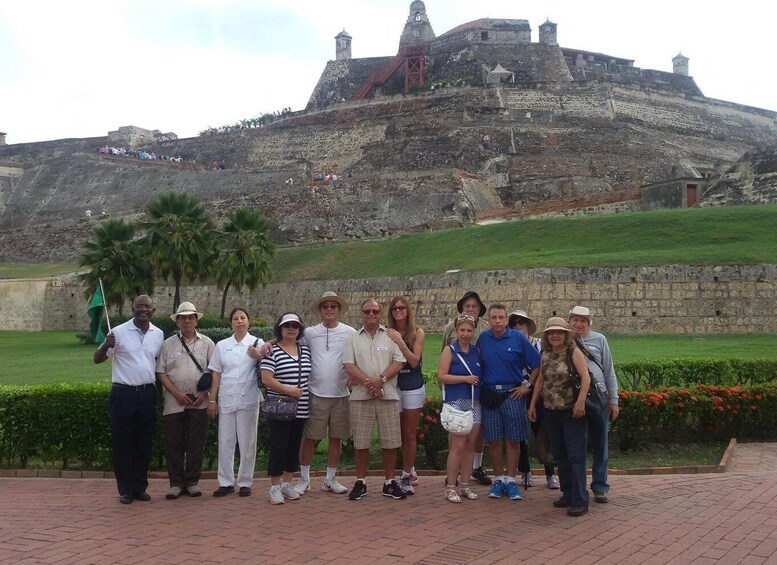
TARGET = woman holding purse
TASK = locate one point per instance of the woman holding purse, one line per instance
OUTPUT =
(563, 382)
(459, 373)
(285, 373)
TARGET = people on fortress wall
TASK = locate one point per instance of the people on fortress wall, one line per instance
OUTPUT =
(142, 154)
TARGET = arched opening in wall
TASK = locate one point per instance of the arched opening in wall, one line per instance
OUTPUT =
(690, 195)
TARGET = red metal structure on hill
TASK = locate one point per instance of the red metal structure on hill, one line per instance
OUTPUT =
(412, 57)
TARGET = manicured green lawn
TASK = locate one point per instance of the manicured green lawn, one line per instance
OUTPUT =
(724, 235)
(54, 357)
(30, 271)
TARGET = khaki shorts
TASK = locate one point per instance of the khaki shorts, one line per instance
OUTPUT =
(364, 415)
(332, 413)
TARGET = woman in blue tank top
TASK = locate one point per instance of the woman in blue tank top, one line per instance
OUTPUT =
(410, 381)
(459, 375)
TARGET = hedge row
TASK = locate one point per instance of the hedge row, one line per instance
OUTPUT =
(68, 425)
(639, 375)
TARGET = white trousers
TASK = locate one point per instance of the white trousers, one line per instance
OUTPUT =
(238, 427)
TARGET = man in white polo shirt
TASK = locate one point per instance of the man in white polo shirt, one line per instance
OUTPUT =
(328, 385)
(134, 347)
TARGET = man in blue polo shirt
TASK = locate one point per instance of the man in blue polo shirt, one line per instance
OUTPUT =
(505, 354)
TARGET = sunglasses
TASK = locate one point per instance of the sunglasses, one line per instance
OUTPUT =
(465, 318)
(293, 326)
(399, 308)
(330, 306)
(373, 312)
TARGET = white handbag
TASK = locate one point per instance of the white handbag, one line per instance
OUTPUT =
(455, 421)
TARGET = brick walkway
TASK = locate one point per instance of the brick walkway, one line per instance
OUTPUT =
(714, 518)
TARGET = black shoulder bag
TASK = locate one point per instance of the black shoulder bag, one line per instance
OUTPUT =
(595, 401)
(282, 408)
(206, 378)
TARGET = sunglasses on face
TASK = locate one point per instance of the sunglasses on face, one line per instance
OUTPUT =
(373, 312)
(330, 306)
(292, 326)
(398, 308)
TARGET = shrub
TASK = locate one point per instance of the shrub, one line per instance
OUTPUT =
(431, 433)
(688, 372)
(687, 414)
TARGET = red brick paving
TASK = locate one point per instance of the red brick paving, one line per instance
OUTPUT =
(656, 519)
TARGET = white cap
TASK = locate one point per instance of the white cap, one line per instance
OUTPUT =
(290, 318)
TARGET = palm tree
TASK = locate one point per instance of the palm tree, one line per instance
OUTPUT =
(179, 238)
(244, 252)
(116, 256)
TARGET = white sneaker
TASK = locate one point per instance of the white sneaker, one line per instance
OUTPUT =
(289, 492)
(275, 495)
(302, 486)
(333, 486)
(553, 482)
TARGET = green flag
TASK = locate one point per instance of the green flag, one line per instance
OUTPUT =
(96, 315)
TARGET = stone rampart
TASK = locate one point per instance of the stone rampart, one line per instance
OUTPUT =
(670, 299)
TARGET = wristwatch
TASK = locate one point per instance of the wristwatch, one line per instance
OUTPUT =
(383, 379)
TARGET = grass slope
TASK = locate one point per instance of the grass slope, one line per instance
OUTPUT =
(730, 235)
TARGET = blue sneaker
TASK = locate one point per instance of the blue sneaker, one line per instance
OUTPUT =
(514, 491)
(497, 489)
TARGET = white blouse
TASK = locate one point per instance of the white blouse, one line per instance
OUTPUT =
(239, 385)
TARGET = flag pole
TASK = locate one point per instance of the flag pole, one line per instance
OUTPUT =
(105, 305)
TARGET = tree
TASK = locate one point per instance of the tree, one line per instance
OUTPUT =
(116, 256)
(179, 238)
(244, 252)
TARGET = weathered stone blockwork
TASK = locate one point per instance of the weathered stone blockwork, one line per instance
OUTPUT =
(671, 299)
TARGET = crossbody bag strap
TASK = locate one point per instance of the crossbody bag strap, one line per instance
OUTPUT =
(472, 387)
(186, 347)
(587, 353)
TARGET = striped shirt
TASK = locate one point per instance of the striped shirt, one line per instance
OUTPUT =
(290, 371)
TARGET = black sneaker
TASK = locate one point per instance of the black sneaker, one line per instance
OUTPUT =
(562, 502)
(480, 476)
(394, 491)
(223, 491)
(359, 490)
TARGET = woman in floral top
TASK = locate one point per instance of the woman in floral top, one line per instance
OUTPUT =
(563, 394)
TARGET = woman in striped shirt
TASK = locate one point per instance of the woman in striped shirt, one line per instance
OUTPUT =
(285, 372)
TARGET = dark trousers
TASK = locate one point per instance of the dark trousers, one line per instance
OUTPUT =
(185, 433)
(568, 442)
(284, 439)
(133, 419)
(523, 460)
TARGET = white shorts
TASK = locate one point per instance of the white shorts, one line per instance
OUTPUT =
(412, 399)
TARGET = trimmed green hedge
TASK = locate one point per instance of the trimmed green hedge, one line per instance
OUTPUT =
(68, 426)
(638, 375)
(214, 332)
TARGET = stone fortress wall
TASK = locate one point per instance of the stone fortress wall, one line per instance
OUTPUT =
(671, 299)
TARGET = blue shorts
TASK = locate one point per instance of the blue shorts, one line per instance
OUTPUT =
(509, 421)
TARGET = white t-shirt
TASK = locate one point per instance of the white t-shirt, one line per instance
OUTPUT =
(326, 345)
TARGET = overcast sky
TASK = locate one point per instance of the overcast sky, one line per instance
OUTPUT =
(82, 68)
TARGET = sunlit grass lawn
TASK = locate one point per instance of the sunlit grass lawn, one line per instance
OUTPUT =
(31, 358)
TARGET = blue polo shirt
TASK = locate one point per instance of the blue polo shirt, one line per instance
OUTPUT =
(505, 357)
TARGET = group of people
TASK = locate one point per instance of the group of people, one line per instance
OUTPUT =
(345, 383)
(142, 154)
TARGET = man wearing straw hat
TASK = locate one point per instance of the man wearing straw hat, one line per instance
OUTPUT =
(180, 366)
(328, 386)
(134, 347)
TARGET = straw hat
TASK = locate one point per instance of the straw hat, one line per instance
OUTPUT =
(184, 309)
(556, 323)
(525, 316)
(330, 296)
(581, 311)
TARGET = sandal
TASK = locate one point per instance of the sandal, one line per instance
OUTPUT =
(450, 494)
(466, 492)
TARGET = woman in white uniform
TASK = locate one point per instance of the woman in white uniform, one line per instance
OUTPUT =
(235, 397)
